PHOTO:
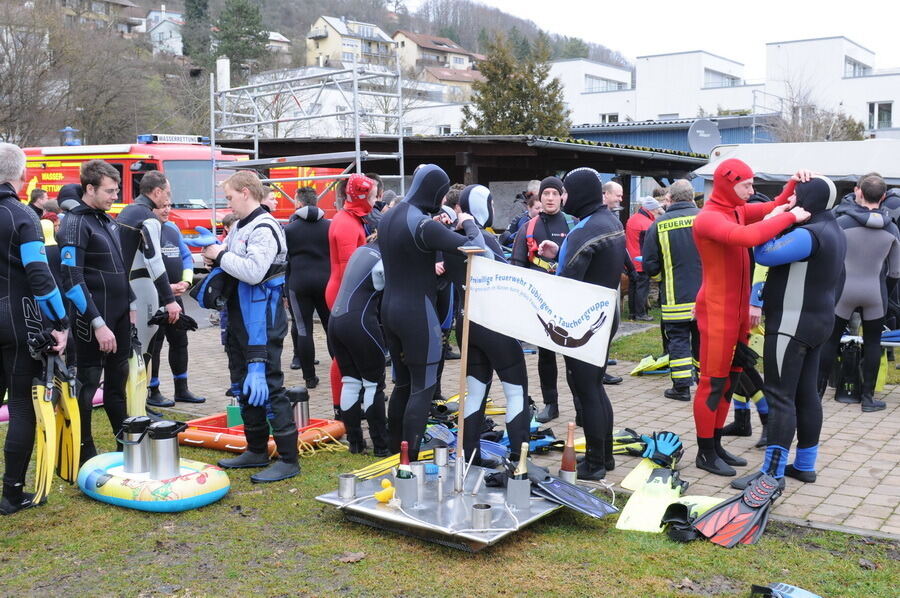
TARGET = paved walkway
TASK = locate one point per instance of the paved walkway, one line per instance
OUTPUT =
(858, 486)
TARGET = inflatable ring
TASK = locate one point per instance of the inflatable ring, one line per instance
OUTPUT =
(102, 478)
(221, 438)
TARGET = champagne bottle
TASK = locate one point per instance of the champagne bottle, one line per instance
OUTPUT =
(568, 456)
(521, 472)
(404, 471)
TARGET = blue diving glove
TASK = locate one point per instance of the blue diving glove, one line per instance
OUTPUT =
(256, 389)
(663, 448)
(205, 238)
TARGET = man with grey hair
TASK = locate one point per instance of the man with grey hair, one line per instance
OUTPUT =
(671, 258)
(32, 309)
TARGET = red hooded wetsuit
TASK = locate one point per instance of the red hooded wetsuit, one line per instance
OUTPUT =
(345, 234)
(723, 230)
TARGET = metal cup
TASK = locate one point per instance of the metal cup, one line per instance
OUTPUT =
(518, 494)
(418, 469)
(481, 516)
(347, 486)
(568, 476)
(441, 456)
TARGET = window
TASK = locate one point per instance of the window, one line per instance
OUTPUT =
(347, 56)
(713, 78)
(459, 60)
(854, 68)
(407, 131)
(612, 117)
(669, 116)
(99, 8)
(350, 43)
(880, 115)
(443, 129)
(593, 84)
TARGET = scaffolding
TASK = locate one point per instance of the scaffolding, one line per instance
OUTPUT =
(364, 93)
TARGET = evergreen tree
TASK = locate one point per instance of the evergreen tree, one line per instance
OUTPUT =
(240, 33)
(517, 97)
(519, 44)
(195, 33)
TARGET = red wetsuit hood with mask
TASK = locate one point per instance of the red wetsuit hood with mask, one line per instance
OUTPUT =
(358, 188)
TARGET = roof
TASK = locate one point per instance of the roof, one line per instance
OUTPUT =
(459, 75)
(691, 52)
(166, 20)
(724, 122)
(126, 3)
(433, 42)
(274, 36)
(340, 25)
(819, 39)
(841, 161)
(618, 67)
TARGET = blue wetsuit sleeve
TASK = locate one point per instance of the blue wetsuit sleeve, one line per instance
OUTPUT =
(37, 271)
(795, 246)
(74, 243)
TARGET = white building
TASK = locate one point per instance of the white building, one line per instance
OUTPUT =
(834, 73)
(165, 36)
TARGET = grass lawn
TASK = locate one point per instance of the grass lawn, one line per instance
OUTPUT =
(277, 540)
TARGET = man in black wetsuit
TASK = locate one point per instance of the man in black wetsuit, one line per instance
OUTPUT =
(308, 270)
(552, 224)
(30, 305)
(179, 265)
(593, 252)
(95, 278)
(409, 238)
(806, 268)
(139, 237)
(489, 351)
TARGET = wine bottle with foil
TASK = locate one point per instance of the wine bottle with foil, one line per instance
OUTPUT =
(568, 456)
(404, 471)
(521, 472)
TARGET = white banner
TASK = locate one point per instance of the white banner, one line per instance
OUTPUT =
(566, 316)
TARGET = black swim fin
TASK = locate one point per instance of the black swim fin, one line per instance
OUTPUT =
(569, 495)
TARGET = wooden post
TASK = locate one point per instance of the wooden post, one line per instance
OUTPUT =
(469, 252)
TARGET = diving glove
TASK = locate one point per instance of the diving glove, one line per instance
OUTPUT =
(256, 389)
(204, 238)
(663, 448)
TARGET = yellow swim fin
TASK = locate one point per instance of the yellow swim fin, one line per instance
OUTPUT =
(68, 425)
(638, 476)
(45, 434)
(136, 383)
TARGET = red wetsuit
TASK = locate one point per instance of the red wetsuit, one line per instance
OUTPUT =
(723, 230)
(345, 234)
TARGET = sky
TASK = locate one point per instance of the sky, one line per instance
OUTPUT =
(730, 29)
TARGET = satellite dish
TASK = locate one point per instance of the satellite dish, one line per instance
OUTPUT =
(703, 136)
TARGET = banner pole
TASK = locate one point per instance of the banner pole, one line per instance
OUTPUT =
(469, 252)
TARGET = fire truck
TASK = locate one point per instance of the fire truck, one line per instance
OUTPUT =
(186, 160)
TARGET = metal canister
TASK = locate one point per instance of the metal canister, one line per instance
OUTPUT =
(164, 457)
(133, 437)
(299, 398)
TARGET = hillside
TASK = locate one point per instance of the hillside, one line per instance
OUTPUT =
(467, 22)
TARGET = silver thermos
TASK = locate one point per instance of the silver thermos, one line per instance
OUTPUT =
(133, 437)
(164, 457)
(299, 397)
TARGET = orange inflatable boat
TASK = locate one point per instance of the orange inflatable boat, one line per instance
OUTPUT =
(213, 432)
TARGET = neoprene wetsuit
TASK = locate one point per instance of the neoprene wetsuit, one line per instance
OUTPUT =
(547, 227)
(723, 231)
(489, 351)
(179, 266)
(593, 252)
(30, 303)
(806, 269)
(872, 267)
(309, 268)
(354, 333)
(95, 278)
(139, 236)
(409, 239)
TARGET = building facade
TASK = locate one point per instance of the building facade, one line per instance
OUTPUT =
(334, 42)
(832, 73)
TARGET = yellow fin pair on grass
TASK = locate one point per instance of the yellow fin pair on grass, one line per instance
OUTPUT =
(58, 428)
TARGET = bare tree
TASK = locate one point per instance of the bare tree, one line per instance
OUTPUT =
(802, 119)
(32, 95)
